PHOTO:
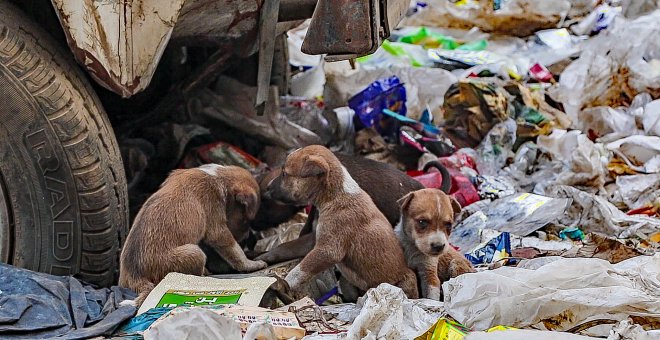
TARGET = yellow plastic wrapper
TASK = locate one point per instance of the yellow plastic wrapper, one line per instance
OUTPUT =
(446, 329)
(499, 328)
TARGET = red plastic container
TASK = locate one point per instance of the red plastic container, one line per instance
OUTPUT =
(429, 180)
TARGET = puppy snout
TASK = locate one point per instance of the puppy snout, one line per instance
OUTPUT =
(437, 247)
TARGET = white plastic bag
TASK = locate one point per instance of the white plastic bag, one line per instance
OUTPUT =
(425, 87)
(644, 150)
(558, 295)
(386, 313)
(651, 118)
(584, 161)
(622, 59)
(639, 190)
(595, 214)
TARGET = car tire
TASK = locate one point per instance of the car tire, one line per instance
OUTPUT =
(63, 196)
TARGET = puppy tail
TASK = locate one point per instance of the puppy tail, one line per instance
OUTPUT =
(445, 186)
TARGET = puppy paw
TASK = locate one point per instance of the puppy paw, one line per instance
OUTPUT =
(252, 266)
(459, 266)
(434, 293)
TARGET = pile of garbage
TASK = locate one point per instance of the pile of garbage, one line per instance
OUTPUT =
(546, 115)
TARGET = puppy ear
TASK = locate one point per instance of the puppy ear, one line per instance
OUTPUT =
(250, 202)
(314, 166)
(404, 201)
(455, 206)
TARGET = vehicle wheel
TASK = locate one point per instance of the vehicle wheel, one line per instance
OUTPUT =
(63, 197)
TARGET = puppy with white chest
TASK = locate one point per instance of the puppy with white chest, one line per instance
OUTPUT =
(427, 216)
(210, 204)
(351, 232)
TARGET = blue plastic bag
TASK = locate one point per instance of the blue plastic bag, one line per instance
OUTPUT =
(369, 104)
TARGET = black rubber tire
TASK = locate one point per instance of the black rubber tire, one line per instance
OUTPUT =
(63, 182)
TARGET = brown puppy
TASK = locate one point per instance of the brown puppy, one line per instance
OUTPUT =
(351, 232)
(272, 212)
(427, 216)
(210, 204)
(384, 183)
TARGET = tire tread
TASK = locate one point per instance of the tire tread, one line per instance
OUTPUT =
(81, 126)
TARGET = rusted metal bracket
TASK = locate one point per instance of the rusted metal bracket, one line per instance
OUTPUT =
(267, 31)
(291, 10)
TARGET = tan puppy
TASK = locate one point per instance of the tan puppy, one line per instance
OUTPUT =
(427, 216)
(351, 232)
(211, 203)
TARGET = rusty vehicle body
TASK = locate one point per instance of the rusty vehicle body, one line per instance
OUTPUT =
(63, 188)
(120, 42)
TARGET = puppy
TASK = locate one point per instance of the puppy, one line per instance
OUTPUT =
(384, 183)
(211, 204)
(351, 232)
(272, 212)
(427, 216)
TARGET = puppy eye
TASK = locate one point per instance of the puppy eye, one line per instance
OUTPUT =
(423, 223)
(448, 225)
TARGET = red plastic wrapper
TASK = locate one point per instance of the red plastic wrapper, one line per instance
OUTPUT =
(540, 73)
(220, 153)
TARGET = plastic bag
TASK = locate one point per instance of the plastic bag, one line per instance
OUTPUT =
(639, 190)
(603, 120)
(557, 295)
(651, 118)
(613, 67)
(495, 148)
(595, 214)
(492, 251)
(369, 104)
(584, 162)
(425, 88)
(472, 58)
(519, 214)
(394, 53)
(309, 82)
(490, 187)
(641, 153)
(386, 313)
(428, 38)
(307, 113)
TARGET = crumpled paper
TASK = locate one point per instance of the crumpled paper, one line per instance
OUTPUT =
(557, 295)
(595, 214)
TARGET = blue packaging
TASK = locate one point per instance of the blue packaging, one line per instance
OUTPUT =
(494, 250)
(388, 93)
